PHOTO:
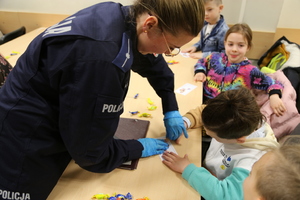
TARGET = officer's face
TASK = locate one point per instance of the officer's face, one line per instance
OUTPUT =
(158, 42)
(152, 40)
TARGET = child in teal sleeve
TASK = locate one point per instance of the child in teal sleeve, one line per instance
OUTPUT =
(239, 138)
(213, 32)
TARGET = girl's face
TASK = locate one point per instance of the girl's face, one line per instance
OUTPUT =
(250, 183)
(236, 47)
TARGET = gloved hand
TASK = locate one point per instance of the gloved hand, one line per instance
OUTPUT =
(153, 146)
(174, 125)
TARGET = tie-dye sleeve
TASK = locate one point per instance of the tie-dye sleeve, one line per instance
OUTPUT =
(262, 81)
(202, 65)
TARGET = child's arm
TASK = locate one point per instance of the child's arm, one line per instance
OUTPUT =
(264, 82)
(210, 187)
(197, 55)
(200, 77)
(277, 105)
(175, 162)
(191, 49)
(193, 117)
(201, 69)
(204, 182)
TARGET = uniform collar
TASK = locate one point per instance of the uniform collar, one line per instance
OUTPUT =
(124, 59)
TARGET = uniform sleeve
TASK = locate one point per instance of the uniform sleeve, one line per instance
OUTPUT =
(263, 82)
(90, 92)
(211, 188)
(160, 77)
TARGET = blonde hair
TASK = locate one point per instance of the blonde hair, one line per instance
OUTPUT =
(217, 2)
(280, 178)
(173, 15)
(290, 140)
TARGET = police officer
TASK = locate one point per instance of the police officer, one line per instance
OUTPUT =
(64, 97)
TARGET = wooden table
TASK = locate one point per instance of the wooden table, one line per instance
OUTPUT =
(151, 178)
(19, 45)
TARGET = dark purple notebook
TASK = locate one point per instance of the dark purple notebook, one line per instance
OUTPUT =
(131, 129)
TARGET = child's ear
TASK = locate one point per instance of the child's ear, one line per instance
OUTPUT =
(221, 7)
(241, 139)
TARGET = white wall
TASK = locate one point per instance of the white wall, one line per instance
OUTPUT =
(51, 6)
(261, 15)
(290, 15)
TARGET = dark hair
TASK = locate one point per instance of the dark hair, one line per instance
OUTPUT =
(244, 30)
(232, 114)
(173, 15)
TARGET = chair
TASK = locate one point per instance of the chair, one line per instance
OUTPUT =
(12, 35)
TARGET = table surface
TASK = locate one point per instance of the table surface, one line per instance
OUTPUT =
(151, 178)
(19, 45)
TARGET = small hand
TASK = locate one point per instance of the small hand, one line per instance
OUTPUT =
(277, 105)
(189, 50)
(196, 55)
(200, 77)
(175, 162)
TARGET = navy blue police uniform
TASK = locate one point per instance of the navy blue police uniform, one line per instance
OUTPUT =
(64, 97)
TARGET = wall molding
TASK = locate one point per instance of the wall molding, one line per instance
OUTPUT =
(10, 21)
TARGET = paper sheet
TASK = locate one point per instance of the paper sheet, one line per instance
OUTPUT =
(170, 149)
(185, 89)
(186, 55)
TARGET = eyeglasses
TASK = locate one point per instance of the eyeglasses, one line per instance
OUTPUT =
(174, 51)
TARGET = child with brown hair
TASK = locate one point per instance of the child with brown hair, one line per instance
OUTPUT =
(239, 138)
(277, 168)
(226, 71)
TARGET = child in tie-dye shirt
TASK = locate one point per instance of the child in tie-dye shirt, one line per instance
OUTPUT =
(229, 70)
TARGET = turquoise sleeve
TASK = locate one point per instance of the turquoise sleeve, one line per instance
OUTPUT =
(212, 188)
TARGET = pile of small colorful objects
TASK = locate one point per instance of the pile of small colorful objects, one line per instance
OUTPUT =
(115, 196)
(172, 62)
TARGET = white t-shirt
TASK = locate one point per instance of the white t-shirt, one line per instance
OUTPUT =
(208, 30)
(222, 158)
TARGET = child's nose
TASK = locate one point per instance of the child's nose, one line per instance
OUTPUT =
(234, 48)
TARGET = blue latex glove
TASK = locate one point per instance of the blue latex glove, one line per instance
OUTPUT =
(174, 125)
(153, 146)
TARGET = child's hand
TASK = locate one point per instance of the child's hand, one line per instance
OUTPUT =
(181, 136)
(196, 55)
(200, 77)
(189, 50)
(175, 162)
(277, 105)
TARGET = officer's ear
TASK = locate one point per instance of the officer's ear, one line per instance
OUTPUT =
(150, 23)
